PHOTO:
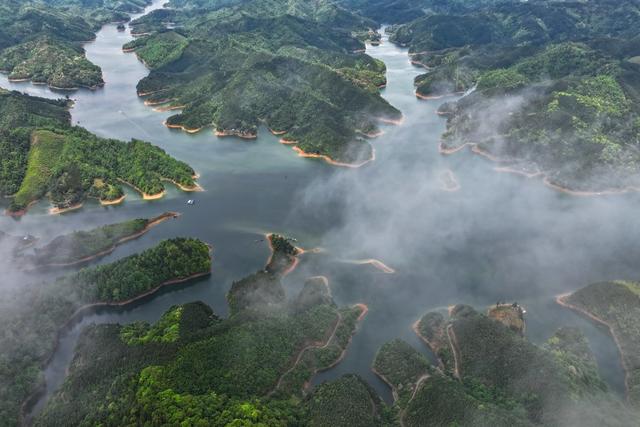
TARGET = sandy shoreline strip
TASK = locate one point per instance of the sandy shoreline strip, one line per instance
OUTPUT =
(546, 180)
(302, 153)
(113, 202)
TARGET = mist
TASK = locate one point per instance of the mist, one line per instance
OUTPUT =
(501, 236)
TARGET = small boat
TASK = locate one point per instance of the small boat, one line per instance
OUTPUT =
(191, 202)
(120, 27)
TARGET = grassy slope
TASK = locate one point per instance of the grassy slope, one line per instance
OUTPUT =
(46, 150)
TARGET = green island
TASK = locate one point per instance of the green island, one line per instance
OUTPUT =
(83, 246)
(615, 305)
(49, 61)
(41, 40)
(559, 82)
(294, 66)
(34, 317)
(194, 368)
(43, 155)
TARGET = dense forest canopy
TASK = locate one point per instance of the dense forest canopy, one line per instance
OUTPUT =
(45, 155)
(295, 66)
(558, 81)
(194, 368)
(29, 336)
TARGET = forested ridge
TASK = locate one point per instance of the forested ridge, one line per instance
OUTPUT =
(617, 305)
(195, 368)
(558, 83)
(43, 155)
(33, 317)
(85, 245)
(297, 67)
(41, 40)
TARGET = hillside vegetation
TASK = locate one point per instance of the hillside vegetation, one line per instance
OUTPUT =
(556, 92)
(33, 318)
(294, 66)
(617, 304)
(490, 365)
(193, 368)
(44, 155)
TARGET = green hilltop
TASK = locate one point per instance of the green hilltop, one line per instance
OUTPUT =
(194, 368)
(45, 156)
(557, 83)
(33, 317)
(297, 68)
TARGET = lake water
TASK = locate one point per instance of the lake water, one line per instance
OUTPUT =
(500, 237)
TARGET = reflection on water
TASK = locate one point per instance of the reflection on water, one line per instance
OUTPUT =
(500, 236)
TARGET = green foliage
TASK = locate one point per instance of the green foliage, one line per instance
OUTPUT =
(191, 368)
(80, 245)
(49, 61)
(46, 150)
(293, 68)
(165, 48)
(28, 337)
(47, 156)
(167, 329)
(552, 78)
(442, 401)
(501, 79)
(401, 366)
(502, 379)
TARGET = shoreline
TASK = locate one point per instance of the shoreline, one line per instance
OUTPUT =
(561, 300)
(436, 97)
(145, 196)
(40, 389)
(329, 160)
(196, 187)
(60, 211)
(152, 223)
(377, 264)
(52, 87)
(243, 135)
(364, 310)
(181, 127)
(113, 202)
(293, 259)
(396, 122)
(546, 180)
(169, 108)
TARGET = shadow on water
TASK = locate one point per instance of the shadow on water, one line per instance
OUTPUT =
(499, 237)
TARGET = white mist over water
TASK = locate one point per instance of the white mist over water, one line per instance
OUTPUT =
(500, 236)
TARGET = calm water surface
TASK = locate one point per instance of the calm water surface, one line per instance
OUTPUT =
(499, 237)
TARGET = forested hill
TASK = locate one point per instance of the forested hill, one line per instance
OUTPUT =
(40, 40)
(557, 82)
(296, 66)
(33, 314)
(43, 155)
(194, 368)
